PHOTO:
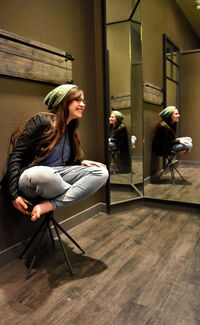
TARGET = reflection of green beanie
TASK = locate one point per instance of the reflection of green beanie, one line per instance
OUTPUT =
(119, 115)
(167, 112)
(57, 95)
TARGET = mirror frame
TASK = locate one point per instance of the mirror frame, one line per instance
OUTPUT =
(173, 65)
(107, 107)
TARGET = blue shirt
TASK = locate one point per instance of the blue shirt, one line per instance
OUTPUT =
(60, 154)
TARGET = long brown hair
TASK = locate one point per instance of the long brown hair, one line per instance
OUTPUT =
(58, 122)
(165, 123)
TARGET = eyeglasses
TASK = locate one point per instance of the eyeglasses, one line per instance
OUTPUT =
(80, 100)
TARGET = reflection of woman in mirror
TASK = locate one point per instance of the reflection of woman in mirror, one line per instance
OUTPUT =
(164, 135)
(118, 141)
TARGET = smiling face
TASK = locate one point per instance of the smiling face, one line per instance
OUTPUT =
(175, 116)
(113, 119)
(76, 108)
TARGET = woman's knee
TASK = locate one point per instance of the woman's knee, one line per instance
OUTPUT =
(103, 173)
(38, 175)
(42, 181)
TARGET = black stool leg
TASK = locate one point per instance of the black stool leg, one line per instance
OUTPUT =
(73, 241)
(51, 235)
(172, 169)
(179, 173)
(36, 251)
(32, 239)
(62, 246)
(41, 230)
(164, 168)
(172, 172)
(160, 174)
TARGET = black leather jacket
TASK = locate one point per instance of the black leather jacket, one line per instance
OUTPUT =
(24, 154)
(163, 139)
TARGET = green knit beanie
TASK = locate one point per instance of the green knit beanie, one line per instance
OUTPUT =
(55, 96)
(167, 112)
(119, 115)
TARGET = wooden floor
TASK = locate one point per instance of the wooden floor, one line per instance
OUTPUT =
(135, 180)
(188, 191)
(142, 267)
(136, 175)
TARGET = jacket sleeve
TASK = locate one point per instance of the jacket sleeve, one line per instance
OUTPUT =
(162, 141)
(121, 138)
(165, 139)
(24, 151)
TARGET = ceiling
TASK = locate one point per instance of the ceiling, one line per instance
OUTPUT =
(120, 9)
(192, 14)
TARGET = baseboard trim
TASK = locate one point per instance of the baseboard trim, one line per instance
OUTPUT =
(10, 254)
(155, 203)
(190, 163)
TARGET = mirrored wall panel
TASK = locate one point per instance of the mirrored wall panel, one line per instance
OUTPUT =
(186, 185)
(125, 146)
(140, 87)
(176, 176)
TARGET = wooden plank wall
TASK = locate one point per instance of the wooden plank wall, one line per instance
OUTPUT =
(27, 59)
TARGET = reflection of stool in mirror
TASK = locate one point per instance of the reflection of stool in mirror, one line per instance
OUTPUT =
(40, 232)
(170, 164)
(113, 158)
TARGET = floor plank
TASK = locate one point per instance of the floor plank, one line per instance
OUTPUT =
(189, 191)
(142, 266)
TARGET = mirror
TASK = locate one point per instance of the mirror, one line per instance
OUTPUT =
(132, 73)
(125, 146)
(181, 77)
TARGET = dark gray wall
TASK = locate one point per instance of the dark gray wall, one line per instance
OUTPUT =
(74, 26)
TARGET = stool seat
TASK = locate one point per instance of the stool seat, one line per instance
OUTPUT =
(49, 221)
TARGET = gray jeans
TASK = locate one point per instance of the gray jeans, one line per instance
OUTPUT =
(62, 185)
(179, 146)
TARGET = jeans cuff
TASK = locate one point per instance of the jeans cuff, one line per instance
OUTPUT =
(54, 205)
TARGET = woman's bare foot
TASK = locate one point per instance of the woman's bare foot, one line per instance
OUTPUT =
(41, 208)
(181, 152)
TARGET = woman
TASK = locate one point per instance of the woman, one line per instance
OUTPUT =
(46, 159)
(164, 135)
(118, 140)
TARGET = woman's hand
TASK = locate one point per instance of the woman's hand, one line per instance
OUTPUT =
(185, 142)
(20, 205)
(92, 163)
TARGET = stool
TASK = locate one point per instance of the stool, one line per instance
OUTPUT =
(113, 157)
(48, 219)
(168, 163)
